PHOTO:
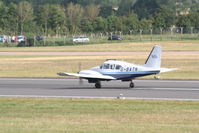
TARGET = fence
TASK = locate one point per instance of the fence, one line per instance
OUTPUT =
(159, 34)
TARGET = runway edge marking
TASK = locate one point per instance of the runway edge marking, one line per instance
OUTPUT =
(88, 97)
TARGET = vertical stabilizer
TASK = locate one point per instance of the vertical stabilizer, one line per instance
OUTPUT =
(154, 59)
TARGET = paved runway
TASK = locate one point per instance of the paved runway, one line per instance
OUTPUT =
(70, 88)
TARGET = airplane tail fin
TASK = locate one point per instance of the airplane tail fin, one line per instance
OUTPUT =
(154, 58)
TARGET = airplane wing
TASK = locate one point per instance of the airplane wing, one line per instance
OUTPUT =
(167, 69)
(93, 76)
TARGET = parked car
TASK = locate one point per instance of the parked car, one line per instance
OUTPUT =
(114, 37)
(81, 39)
(3, 38)
(21, 38)
(14, 39)
(39, 38)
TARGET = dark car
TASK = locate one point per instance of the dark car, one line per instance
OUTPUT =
(39, 38)
(114, 37)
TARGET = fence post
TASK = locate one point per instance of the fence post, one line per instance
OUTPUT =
(64, 39)
(181, 30)
(141, 34)
(171, 29)
(161, 33)
(151, 31)
(34, 39)
(191, 30)
(120, 34)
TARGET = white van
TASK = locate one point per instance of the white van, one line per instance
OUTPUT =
(81, 39)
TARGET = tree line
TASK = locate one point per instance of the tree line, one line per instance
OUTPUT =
(61, 17)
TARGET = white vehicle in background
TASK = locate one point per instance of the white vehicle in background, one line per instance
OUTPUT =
(3, 38)
(81, 39)
(21, 38)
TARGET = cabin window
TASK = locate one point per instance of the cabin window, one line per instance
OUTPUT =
(136, 69)
(111, 67)
(118, 67)
(106, 66)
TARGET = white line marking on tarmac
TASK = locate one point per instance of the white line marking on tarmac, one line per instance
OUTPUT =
(89, 97)
(168, 89)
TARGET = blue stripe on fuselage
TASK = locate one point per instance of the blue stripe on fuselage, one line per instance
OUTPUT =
(129, 75)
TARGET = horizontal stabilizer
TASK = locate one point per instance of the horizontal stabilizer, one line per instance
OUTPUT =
(167, 69)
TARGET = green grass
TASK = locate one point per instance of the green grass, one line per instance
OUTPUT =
(191, 45)
(48, 66)
(28, 115)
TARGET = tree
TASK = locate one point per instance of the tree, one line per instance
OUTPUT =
(104, 3)
(3, 16)
(114, 23)
(164, 17)
(56, 18)
(25, 13)
(100, 24)
(194, 18)
(130, 22)
(145, 8)
(74, 14)
(106, 11)
(125, 7)
(86, 26)
(12, 18)
(185, 22)
(145, 24)
(43, 17)
(92, 11)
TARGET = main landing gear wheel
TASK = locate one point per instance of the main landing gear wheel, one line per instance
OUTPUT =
(98, 85)
(132, 85)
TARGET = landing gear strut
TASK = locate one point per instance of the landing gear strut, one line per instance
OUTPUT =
(98, 85)
(132, 85)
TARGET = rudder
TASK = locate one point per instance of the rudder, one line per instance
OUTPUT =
(154, 58)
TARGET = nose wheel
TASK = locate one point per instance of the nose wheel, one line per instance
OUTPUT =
(98, 85)
(132, 85)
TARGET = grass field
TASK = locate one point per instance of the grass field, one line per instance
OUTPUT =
(191, 45)
(49, 65)
(27, 115)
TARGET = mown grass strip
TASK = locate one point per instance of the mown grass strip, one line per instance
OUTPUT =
(43, 115)
(44, 66)
(190, 45)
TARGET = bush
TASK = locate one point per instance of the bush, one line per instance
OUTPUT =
(21, 44)
(30, 42)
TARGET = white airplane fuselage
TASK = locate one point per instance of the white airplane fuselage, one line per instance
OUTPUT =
(121, 70)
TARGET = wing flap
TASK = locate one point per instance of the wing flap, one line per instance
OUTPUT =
(98, 76)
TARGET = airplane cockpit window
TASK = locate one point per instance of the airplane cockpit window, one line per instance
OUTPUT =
(118, 67)
(112, 66)
(106, 66)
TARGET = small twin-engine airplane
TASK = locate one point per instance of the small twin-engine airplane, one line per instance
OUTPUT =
(120, 70)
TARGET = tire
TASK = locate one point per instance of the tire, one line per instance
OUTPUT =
(132, 85)
(98, 85)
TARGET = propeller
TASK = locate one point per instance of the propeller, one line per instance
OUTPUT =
(79, 69)
(81, 81)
